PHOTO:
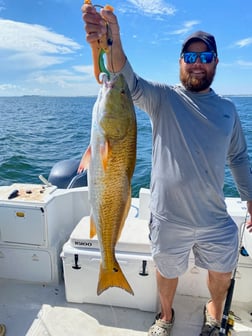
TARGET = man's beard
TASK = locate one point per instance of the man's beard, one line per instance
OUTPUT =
(194, 84)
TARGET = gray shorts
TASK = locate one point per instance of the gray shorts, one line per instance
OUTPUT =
(214, 248)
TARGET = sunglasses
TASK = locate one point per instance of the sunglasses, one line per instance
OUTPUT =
(205, 57)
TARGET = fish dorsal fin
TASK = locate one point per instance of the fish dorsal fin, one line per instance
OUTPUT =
(92, 227)
(85, 160)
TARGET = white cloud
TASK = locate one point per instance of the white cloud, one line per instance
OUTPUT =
(186, 27)
(25, 46)
(244, 42)
(245, 64)
(54, 82)
(25, 61)
(23, 37)
(17, 90)
(60, 78)
(6, 87)
(28, 53)
(64, 82)
(86, 69)
(241, 63)
(153, 7)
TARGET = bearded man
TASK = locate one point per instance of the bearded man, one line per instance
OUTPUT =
(194, 133)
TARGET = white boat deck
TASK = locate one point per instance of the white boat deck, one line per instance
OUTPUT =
(39, 307)
(37, 310)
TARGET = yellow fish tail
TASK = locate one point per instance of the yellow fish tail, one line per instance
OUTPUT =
(112, 278)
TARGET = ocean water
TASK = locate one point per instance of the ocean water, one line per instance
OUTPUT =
(37, 132)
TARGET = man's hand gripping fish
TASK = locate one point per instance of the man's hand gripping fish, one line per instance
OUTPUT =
(100, 47)
(110, 159)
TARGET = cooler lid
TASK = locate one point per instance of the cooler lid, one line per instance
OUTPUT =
(134, 237)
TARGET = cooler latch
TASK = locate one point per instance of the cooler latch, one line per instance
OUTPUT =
(143, 270)
(76, 259)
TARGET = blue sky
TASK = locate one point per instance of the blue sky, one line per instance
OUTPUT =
(43, 49)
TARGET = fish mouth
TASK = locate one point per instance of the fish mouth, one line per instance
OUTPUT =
(109, 83)
(103, 78)
(106, 81)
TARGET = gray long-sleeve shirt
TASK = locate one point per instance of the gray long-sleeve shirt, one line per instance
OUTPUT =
(194, 135)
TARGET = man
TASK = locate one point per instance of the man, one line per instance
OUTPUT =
(194, 132)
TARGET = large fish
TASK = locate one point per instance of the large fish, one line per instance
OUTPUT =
(110, 160)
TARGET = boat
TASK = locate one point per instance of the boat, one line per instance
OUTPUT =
(49, 266)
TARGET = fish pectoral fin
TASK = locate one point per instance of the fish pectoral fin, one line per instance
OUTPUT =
(84, 163)
(104, 153)
(113, 278)
(92, 228)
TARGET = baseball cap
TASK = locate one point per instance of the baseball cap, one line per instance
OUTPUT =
(207, 38)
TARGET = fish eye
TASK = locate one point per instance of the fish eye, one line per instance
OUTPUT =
(122, 91)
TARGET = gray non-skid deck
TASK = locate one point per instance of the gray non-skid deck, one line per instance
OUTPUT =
(37, 310)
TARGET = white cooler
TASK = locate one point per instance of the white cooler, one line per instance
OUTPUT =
(247, 241)
(81, 265)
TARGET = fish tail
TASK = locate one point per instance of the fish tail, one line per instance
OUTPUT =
(113, 278)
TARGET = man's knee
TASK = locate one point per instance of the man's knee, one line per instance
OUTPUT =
(218, 276)
(219, 282)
